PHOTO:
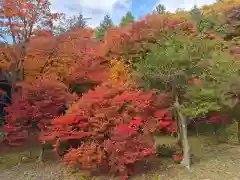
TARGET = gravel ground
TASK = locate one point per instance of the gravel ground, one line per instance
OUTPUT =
(216, 162)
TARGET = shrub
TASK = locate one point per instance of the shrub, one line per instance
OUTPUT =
(38, 103)
(111, 124)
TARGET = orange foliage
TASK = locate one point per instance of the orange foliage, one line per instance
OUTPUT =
(24, 18)
(119, 73)
(12, 59)
(219, 7)
(4, 62)
(131, 39)
(72, 56)
(83, 153)
(44, 33)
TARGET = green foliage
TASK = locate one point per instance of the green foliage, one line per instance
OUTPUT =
(172, 63)
(218, 80)
(230, 133)
(210, 22)
(104, 25)
(196, 15)
(200, 101)
(128, 19)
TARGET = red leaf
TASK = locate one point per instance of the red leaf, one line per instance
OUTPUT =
(82, 124)
(126, 129)
(177, 157)
(160, 113)
(165, 123)
(137, 121)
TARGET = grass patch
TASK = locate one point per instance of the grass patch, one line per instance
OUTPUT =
(9, 159)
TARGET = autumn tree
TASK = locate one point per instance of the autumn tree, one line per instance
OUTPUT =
(34, 107)
(127, 19)
(23, 18)
(104, 25)
(107, 118)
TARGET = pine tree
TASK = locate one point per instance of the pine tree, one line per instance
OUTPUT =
(80, 21)
(127, 19)
(107, 21)
(68, 23)
(160, 9)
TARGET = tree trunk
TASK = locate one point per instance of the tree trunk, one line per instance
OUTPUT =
(238, 124)
(183, 131)
(13, 79)
(179, 132)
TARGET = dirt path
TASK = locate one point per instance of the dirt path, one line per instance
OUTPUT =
(216, 162)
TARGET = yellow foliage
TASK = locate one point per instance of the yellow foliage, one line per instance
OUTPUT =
(219, 7)
(47, 56)
(178, 15)
(119, 73)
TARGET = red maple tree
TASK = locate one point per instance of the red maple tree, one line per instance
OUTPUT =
(107, 119)
(37, 104)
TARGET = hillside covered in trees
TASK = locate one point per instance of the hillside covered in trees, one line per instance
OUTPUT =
(100, 96)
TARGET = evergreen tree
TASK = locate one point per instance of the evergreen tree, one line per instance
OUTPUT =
(160, 9)
(100, 31)
(127, 19)
(68, 23)
(80, 21)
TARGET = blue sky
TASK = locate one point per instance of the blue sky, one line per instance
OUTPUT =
(96, 9)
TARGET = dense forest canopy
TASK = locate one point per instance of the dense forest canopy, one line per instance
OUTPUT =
(121, 84)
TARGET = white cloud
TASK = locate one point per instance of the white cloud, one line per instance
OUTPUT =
(172, 5)
(94, 9)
